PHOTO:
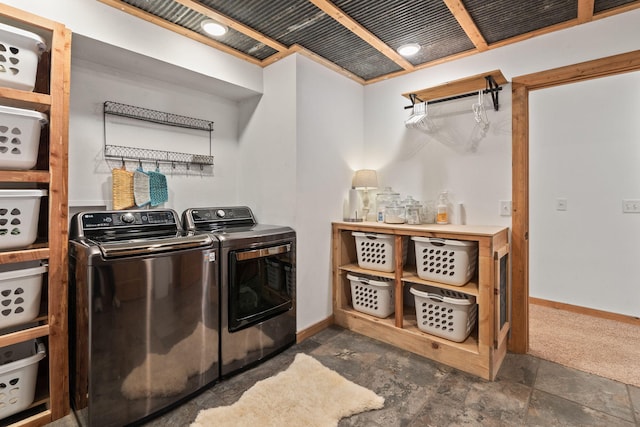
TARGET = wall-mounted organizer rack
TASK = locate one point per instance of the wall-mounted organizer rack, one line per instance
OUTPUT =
(489, 83)
(122, 153)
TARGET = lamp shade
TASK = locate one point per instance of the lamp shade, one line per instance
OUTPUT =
(365, 178)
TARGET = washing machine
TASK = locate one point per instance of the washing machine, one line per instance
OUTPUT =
(144, 314)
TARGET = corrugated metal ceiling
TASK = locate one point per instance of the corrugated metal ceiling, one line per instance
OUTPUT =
(360, 37)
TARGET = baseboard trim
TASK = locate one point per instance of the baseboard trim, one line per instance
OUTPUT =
(587, 311)
(314, 329)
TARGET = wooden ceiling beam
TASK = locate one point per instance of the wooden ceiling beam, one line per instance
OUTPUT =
(585, 11)
(232, 23)
(461, 14)
(353, 26)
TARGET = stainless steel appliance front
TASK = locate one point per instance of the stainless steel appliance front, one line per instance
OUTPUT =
(145, 305)
(257, 282)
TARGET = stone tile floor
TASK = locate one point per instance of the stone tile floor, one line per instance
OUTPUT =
(421, 393)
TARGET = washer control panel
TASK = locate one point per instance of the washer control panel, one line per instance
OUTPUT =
(93, 220)
(214, 217)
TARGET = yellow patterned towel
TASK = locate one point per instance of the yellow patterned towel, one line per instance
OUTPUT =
(122, 189)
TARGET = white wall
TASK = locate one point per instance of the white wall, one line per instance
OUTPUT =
(90, 174)
(330, 147)
(585, 147)
(267, 159)
(417, 164)
(455, 155)
(299, 145)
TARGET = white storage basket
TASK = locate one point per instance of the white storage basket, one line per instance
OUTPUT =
(445, 313)
(446, 261)
(20, 289)
(20, 52)
(19, 137)
(19, 212)
(18, 375)
(377, 251)
(372, 295)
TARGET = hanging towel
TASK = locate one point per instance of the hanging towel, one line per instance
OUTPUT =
(157, 187)
(141, 190)
(122, 188)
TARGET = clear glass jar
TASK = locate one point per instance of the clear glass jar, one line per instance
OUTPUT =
(414, 214)
(428, 212)
(394, 213)
(383, 199)
(413, 209)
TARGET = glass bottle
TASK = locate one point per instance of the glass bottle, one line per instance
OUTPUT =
(442, 209)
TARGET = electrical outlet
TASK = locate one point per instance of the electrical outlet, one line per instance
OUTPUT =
(631, 206)
(505, 207)
(561, 204)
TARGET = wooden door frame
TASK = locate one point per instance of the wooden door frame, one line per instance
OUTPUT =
(521, 86)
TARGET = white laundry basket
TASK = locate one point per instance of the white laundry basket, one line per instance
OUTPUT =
(19, 212)
(377, 251)
(20, 52)
(446, 261)
(445, 313)
(19, 137)
(372, 295)
(20, 289)
(18, 374)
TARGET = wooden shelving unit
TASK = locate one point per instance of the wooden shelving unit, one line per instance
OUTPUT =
(482, 352)
(50, 96)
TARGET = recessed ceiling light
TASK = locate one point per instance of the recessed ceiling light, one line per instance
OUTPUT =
(213, 28)
(409, 49)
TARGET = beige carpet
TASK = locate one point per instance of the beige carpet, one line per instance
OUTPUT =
(603, 347)
(305, 394)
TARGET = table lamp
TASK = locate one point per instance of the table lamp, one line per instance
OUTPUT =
(364, 179)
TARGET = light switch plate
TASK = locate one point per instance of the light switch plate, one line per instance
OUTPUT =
(631, 206)
(561, 204)
(505, 207)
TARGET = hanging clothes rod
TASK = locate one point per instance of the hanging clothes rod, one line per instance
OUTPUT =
(491, 88)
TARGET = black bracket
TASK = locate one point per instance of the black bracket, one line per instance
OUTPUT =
(413, 98)
(493, 88)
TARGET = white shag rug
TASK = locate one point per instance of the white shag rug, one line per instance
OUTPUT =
(306, 394)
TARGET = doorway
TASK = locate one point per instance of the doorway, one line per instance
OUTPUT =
(521, 86)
